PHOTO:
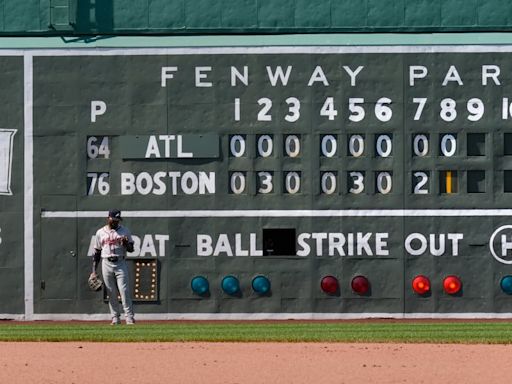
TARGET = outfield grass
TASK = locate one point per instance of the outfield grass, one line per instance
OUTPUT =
(402, 332)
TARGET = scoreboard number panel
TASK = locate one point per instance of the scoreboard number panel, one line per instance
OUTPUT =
(383, 166)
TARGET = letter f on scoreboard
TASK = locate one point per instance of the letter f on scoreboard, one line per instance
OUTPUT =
(6, 154)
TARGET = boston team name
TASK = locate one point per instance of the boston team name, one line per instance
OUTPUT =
(174, 183)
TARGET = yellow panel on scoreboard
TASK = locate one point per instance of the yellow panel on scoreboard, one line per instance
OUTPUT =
(448, 182)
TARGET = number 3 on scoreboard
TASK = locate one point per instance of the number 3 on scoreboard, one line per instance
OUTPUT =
(356, 182)
(265, 184)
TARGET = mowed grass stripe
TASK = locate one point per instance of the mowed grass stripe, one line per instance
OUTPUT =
(403, 332)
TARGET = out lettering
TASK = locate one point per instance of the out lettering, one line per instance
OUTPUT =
(417, 244)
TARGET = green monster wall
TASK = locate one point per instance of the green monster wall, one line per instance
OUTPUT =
(313, 167)
(321, 164)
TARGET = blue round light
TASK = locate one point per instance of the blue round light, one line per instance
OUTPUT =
(230, 285)
(506, 284)
(261, 285)
(200, 285)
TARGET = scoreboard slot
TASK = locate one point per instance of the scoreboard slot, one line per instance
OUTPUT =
(292, 183)
(448, 182)
(237, 145)
(507, 181)
(448, 145)
(420, 182)
(328, 182)
(279, 242)
(292, 146)
(383, 182)
(507, 144)
(476, 181)
(237, 182)
(384, 145)
(329, 145)
(476, 144)
(265, 146)
(265, 182)
(356, 145)
(420, 145)
(355, 182)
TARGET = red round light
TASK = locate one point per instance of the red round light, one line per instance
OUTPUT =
(421, 284)
(452, 285)
(360, 285)
(330, 285)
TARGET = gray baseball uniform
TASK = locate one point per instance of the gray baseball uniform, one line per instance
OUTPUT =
(114, 268)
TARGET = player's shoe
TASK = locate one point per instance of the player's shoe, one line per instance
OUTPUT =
(130, 321)
(115, 321)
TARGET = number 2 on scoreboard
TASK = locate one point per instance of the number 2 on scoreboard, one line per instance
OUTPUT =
(420, 183)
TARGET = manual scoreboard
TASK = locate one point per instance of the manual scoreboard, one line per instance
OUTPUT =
(270, 181)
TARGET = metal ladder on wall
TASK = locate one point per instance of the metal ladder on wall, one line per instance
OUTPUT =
(63, 14)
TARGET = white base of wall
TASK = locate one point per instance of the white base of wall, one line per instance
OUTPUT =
(258, 316)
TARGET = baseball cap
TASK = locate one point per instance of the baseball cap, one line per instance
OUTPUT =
(115, 214)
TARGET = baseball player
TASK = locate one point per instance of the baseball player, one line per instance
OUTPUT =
(112, 242)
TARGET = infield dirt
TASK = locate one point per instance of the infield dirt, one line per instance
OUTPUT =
(211, 363)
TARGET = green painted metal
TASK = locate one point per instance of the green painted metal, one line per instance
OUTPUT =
(114, 17)
(62, 15)
(138, 105)
(170, 146)
(200, 93)
(11, 186)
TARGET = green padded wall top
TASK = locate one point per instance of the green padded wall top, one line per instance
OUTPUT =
(79, 17)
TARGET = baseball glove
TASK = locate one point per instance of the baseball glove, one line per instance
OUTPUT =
(94, 283)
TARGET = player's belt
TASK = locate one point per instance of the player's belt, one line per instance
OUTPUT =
(114, 258)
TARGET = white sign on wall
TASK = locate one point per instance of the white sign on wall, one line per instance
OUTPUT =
(6, 154)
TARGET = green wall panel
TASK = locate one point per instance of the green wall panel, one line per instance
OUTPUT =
(86, 17)
(203, 14)
(459, 13)
(349, 14)
(168, 15)
(276, 15)
(130, 14)
(11, 186)
(309, 14)
(2, 23)
(239, 14)
(423, 13)
(386, 13)
(21, 15)
(494, 14)
(165, 222)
